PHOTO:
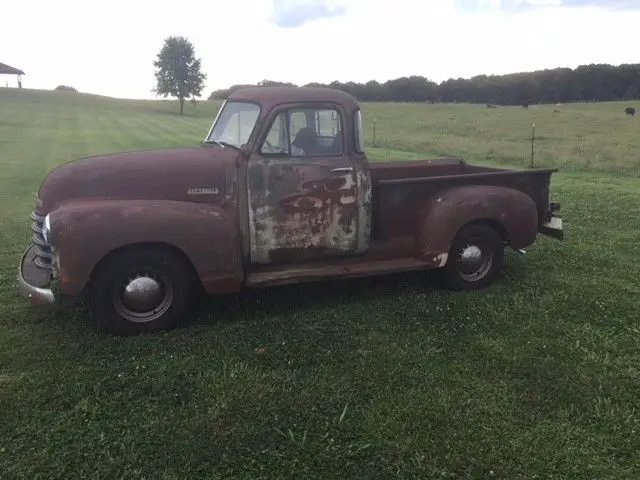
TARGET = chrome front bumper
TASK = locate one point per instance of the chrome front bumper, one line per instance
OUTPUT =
(34, 282)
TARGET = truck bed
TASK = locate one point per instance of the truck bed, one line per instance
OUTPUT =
(401, 170)
(400, 188)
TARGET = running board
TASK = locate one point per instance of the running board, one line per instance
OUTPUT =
(350, 268)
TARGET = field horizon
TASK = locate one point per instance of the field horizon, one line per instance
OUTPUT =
(574, 137)
(388, 377)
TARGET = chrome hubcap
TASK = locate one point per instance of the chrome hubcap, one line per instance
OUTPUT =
(474, 261)
(143, 297)
(142, 294)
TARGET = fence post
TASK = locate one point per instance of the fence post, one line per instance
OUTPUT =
(374, 130)
(533, 137)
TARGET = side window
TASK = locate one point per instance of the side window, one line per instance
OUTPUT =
(328, 123)
(277, 140)
(310, 132)
(298, 121)
(331, 131)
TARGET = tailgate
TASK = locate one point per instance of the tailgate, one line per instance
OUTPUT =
(552, 225)
(536, 183)
(550, 220)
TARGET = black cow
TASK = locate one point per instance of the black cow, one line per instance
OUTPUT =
(630, 111)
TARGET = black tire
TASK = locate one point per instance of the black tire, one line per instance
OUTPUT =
(171, 287)
(479, 272)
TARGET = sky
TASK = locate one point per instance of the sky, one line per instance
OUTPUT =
(108, 48)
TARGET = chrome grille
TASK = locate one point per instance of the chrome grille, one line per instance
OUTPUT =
(44, 256)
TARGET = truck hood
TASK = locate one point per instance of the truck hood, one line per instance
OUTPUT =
(184, 174)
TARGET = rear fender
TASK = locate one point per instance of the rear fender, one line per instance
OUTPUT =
(84, 233)
(511, 211)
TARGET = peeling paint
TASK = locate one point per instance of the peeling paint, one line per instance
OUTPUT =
(365, 212)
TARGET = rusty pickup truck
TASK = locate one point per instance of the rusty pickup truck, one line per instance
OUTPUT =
(279, 191)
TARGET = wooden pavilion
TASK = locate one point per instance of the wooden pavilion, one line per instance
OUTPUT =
(9, 70)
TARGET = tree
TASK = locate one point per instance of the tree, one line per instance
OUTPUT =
(178, 71)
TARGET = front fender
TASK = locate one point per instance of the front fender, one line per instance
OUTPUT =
(448, 211)
(84, 233)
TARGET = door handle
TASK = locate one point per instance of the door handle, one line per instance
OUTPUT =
(342, 169)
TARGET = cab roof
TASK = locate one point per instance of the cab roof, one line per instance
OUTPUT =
(271, 96)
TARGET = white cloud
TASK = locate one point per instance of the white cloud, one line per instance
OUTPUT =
(110, 49)
(295, 13)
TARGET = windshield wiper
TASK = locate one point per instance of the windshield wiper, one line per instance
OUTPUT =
(222, 144)
(227, 144)
(214, 141)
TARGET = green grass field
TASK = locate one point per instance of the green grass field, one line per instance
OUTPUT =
(390, 377)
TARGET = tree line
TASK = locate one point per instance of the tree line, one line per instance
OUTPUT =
(586, 83)
(178, 74)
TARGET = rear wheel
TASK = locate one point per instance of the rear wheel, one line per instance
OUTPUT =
(475, 258)
(141, 290)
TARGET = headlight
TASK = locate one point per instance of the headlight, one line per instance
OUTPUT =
(46, 228)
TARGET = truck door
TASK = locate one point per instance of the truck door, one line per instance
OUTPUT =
(302, 188)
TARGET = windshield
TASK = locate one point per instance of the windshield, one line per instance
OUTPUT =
(234, 123)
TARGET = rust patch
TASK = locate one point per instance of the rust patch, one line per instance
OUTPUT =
(333, 184)
(365, 211)
(300, 208)
(347, 220)
(301, 204)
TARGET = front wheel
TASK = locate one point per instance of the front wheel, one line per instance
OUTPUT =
(475, 258)
(141, 290)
